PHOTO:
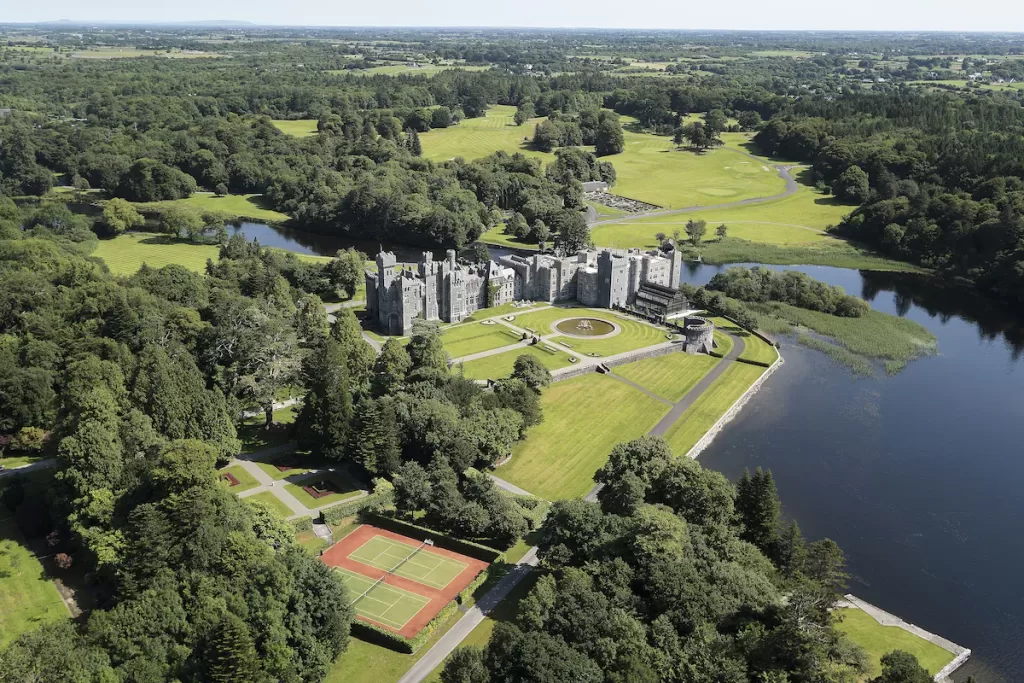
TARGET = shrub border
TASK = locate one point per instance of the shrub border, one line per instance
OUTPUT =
(477, 551)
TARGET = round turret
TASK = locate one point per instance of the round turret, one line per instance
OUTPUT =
(699, 333)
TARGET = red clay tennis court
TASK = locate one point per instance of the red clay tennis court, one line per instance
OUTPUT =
(397, 582)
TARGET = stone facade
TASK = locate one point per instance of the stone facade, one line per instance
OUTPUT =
(700, 334)
(451, 291)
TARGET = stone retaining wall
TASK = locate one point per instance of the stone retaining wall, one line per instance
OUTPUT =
(708, 437)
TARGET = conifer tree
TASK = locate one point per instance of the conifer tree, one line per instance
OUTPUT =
(758, 507)
(325, 420)
(232, 657)
(390, 368)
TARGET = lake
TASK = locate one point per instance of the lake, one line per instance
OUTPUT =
(917, 476)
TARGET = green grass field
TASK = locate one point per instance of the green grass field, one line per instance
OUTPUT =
(15, 461)
(412, 561)
(497, 237)
(710, 406)
(345, 485)
(634, 334)
(878, 640)
(754, 348)
(479, 137)
(832, 252)
(270, 467)
(584, 418)
(27, 598)
(255, 436)
(797, 220)
(299, 128)
(500, 365)
(670, 376)
(245, 480)
(465, 339)
(228, 207)
(125, 254)
(271, 501)
(723, 343)
(405, 69)
(384, 604)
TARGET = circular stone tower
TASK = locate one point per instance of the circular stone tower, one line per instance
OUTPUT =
(699, 333)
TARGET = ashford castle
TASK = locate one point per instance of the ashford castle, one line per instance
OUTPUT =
(450, 291)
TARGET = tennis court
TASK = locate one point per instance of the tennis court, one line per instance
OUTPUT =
(411, 561)
(382, 603)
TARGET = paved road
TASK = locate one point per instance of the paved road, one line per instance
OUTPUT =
(784, 173)
(509, 486)
(449, 641)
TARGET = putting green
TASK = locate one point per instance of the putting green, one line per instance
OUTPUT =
(384, 604)
(410, 561)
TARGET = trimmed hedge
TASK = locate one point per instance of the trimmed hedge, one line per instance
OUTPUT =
(382, 496)
(302, 524)
(758, 363)
(468, 548)
(533, 509)
(467, 592)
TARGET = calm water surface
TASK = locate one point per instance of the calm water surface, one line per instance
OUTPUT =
(919, 477)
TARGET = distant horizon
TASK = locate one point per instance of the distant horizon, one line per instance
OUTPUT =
(915, 16)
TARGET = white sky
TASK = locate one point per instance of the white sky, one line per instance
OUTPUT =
(893, 15)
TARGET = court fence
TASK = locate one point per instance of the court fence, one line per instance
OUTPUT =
(477, 551)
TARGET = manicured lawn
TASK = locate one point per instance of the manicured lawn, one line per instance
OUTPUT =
(879, 640)
(670, 376)
(345, 485)
(652, 170)
(724, 343)
(255, 436)
(466, 339)
(312, 543)
(754, 348)
(479, 137)
(230, 206)
(27, 598)
(299, 128)
(501, 364)
(584, 418)
(799, 219)
(497, 237)
(273, 502)
(634, 334)
(17, 461)
(511, 308)
(711, 405)
(245, 480)
(125, 254)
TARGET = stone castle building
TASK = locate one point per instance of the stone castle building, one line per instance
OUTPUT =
(450, 291)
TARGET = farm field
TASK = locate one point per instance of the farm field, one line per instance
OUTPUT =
(341, 484)
(27, 598)
(405, 69)
(879, 640)
(670, 376)
(271, 501)
(476, 138)
(229, 207)
(465, 339)
(245, 480)
(559, 457)
(299, 128)
(500, 365)
(710, 406)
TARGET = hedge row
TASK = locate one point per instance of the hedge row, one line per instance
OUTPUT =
(302, 524)
(377, 635)
(467, 592)
(533, 509)
(468, 548)
(336, 513)
(758, 363)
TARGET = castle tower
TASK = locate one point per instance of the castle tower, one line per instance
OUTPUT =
(677, 267)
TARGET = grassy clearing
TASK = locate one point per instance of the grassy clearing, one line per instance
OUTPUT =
(344, 484)
(271, 501)
(584, 418)
(878, 640)
(479, 137)
(27, 598)
(228, 207)
(363, 662)
(833, 252)
(500, 365)
(891, 339)
(310, 542)
(17, 461)
(711, 405)
(670, 376)
(299, 128)
(245, 480)
(497, 237)
(463, 340)
(255, 436)
(125, 254)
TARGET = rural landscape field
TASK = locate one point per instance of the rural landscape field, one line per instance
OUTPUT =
(467, 355)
